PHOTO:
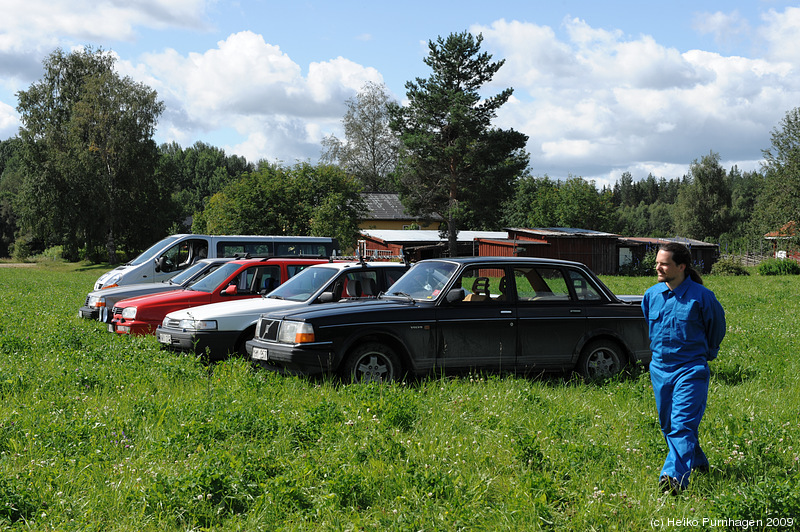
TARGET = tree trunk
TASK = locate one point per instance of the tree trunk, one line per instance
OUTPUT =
(111, 247)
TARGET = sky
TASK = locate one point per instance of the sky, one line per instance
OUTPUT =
(600, 88)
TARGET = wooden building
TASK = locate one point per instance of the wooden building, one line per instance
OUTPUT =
(704, 254)
(595, 249)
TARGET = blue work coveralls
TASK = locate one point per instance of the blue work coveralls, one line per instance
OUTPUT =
(686, 327)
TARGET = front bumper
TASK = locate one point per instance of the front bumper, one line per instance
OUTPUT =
(218, 343)
(123, 326)
(88, 312)
(314, 359)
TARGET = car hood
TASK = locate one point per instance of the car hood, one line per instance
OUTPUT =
(134, 290)
(239, 307)
(162, 298)
(345, 308)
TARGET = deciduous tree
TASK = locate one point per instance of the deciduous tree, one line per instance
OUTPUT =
(703, 208)
(89, 158)
(779, 201)
(369, 149)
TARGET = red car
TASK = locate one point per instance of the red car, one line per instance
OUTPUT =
(237, 279)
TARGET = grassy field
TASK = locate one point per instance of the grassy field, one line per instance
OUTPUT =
(111, 433)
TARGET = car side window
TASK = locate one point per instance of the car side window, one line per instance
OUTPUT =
(536, 284)
(361, 284)
(254, 280)
(483, 285)
(584, 289)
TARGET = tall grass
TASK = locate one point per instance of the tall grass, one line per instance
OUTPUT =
(99, 432)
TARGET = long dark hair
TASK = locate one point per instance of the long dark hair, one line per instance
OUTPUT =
(682, 255)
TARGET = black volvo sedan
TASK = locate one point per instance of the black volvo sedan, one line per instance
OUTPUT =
(521, 315)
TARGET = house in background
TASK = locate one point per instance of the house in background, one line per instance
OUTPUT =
(603, 253)
(384, 211)
(420, 244)
(633, 249)
(595, 249)
(785, 241)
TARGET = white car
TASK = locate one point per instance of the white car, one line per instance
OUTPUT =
(221, 328)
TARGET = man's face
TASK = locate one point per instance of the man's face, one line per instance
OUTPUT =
(667, 270)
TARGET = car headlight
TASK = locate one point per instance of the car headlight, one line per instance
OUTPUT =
(112, 281)
(198, 325)
(129, 313)
(97, 301)
(295, 332)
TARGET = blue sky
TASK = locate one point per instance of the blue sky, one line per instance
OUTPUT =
(600, 88)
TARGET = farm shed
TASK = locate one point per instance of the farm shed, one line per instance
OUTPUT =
(595, 249)
(785, 241)
(704, 254)
(420, 244)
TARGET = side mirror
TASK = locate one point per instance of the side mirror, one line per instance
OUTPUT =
(455, 295)
(326, 297)
(231, 290)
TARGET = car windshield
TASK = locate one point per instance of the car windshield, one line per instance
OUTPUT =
(424, 281)
(151, 252)
(189, 272)
(211, 281)
(303, 285)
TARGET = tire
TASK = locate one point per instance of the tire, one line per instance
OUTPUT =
(371, 362)
(600, 360)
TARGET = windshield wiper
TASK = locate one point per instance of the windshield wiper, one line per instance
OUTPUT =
(400, 294)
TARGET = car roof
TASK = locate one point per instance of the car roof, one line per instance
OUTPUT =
(278, 260)
(354, 264)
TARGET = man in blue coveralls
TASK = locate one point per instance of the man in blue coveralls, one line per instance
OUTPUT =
(686, 325)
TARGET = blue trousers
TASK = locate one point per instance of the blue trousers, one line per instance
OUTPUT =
(681, 395)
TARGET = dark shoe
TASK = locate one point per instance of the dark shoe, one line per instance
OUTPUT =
(669, 485)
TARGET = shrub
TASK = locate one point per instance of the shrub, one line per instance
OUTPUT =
(729, 266)
(640, 268)
(779, 267)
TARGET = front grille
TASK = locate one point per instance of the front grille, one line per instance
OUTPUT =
(267, 329)
(115, 311)
(87, 301)
(173, 324)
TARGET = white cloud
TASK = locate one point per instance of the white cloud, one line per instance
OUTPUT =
(727, 29)
(781, 32)
(599, 99)
(253, 87)
(43, 24)
(9, 121)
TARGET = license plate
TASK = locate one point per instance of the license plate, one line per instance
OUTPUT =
(259, 353)
(165, 338)
(110, 327)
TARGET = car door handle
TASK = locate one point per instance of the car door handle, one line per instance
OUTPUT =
(575, 311)
(505, 312)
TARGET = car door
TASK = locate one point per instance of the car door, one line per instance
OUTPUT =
(478, 331)
(551, 319)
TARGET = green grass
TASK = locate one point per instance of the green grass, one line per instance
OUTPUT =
(99, 432)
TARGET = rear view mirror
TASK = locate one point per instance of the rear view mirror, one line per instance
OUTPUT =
(231, 290)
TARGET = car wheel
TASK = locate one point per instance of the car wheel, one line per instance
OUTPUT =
(371, 362)
(600, 360)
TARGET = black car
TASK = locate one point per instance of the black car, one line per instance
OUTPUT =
(454, 315)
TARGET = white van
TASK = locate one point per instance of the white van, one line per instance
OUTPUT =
(171, 255)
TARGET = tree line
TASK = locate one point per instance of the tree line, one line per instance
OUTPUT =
(84, 173)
